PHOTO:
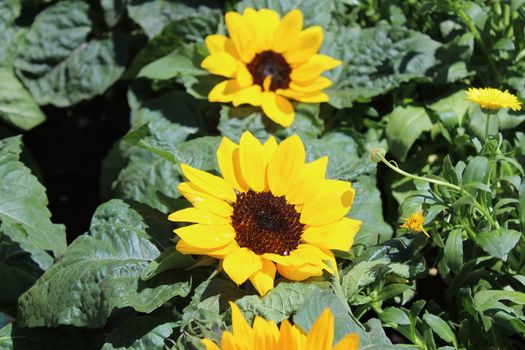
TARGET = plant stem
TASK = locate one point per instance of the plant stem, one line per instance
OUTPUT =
(487, 122)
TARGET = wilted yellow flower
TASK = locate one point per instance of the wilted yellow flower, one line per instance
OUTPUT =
(268, 60)
(265, 335)
(270, 211)
(492, 100)
(415, 222)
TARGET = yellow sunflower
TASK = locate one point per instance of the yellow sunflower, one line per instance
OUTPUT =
(492, 100)
(265, 335)
(270, 211)
(268, 60)
(414, 223)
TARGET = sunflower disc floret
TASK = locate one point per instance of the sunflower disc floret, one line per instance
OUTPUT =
(269, 212)
(268, 60)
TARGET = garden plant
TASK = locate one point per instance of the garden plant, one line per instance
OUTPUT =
(262, 174)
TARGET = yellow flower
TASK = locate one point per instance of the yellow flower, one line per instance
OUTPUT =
(265, 335)
(270, 211)
(415, 223)
(492, 100)
(268, 60)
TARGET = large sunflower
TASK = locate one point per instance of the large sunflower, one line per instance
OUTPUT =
(265, 335)
(268, 212)
(268, 60)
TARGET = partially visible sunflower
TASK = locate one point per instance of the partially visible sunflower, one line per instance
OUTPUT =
(265, 335)
(492, 100)
(414, 223)
(270, 211)
(268, 60)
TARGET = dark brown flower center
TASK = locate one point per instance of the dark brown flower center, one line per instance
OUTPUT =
(264, 223)
(269, 63)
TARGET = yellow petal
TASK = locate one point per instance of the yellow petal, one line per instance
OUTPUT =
(216, 43)
(312, 68)
(288, 31)
(206, 236)
(224, 91)
(269, 148)
(228, 159)
(211, 184)
(277, 108)
(209, 345)
(286, 166)
(285, 260)
(287, 339)
(241, 264)
(349, 342)
(307, 45)
(299, 273)
(230, 342)
(244, 77)
(197, 216)
(308, 97)
(218, 253)
(266, 334)
(321, 336)
(263, 279)
(253, 164)
(314, 85)
(330, 204)
(250, 95)
(265, 23)
(242, 35)
(221, 63)
(240, 328)
(312, 255)
(313, 175)
(338, 235)
(204, 201)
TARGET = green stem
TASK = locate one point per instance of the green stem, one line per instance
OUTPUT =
(487, 122)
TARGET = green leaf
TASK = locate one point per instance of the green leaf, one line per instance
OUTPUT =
(234, 121)
(521, 208)
(498, 243)
(23, 203)
(9, 11)
(281, 302)
(440, 327)
(139, 333)
(392, 290)
(16, 104)
(454, 250)
(314, 12)
(477, 171)
(59, 65)
(367, 208)
(376, 60)
(153, 16)
(99, 273)
(405, 125)
(167, 260)
(113, 10)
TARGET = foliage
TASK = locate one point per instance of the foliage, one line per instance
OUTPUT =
(406, 64)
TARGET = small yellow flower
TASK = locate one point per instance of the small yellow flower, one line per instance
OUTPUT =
(415, 222)
(268, 60)
(269, 212)
(492, 100)
(265, 335)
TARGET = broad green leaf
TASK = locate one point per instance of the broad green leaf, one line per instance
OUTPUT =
(9, 11)
(139, 333)
(392, 290)
(153, 16)
(16, 104)
(440, 327)
(59, 65)
(477, 171)
(376, 60)
(99, 273)
(23, 203)
(113, 10)
(521, 208)
(234, 121)
(314, 12)
(144, 138)
(454, 250)
(367, 208)
(405, 125)
(169, 259)
(200, 153)
(281, 302)
(498, 243)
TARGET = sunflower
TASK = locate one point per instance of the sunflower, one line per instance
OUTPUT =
(265, 335)
(414, 223)
(268, 60)
(270, 211)
(492, 100)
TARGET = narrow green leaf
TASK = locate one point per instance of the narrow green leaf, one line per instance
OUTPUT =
(405, 125)
(454, 250)
(440, 327)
